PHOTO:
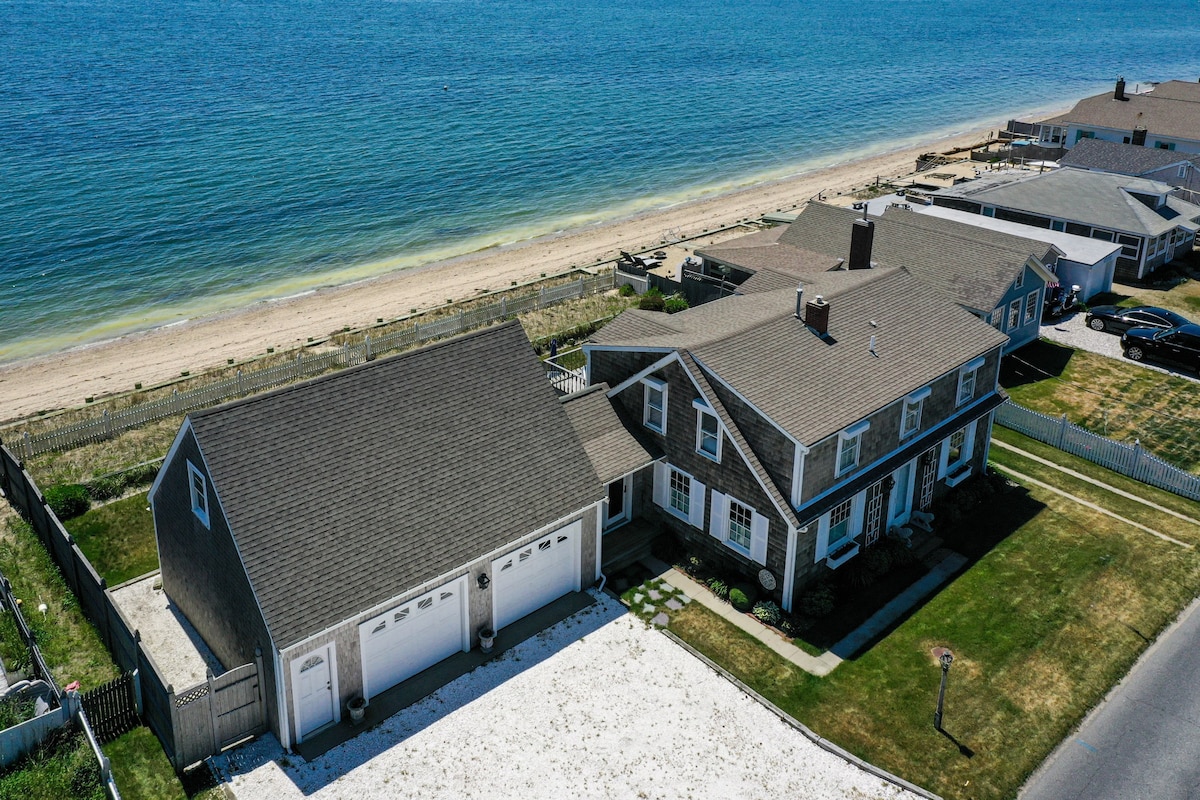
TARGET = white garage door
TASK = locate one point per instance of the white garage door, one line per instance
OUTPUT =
(531, 576)
(412, 636)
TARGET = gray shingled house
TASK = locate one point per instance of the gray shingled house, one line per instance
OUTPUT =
(1181, 170)
(999, 277)
(797, 427)
(362, 526)
(1167, 118)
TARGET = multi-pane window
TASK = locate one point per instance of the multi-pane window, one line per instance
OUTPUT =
(1020, 281)
(839, 524)
(680, 492)
(654, 409)
(1030, 307)
(199, 493)
(910, 423)
(958, 440)
(848, 452)
(998, 319)
(966, 381)
(1014, 314)
(740, 520)
(708, 435)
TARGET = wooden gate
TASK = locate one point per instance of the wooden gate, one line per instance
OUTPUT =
(215, 714)
(112, 708)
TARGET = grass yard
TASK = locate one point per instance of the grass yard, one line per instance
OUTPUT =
(1183, 298)
(142, 771)
(1108, 397)
(118, 538)
(63, 767)
(1059, 602)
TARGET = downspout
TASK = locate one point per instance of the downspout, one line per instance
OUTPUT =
(600, 545)
(285, 735)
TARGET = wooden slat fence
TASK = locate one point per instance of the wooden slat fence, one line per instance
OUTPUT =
(239, 716)
(112, 708)
(213, 715)
(1128, 459)
(107, 425)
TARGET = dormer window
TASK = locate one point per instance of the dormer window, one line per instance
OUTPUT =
(1020, 281)
(849, 447)
(966, 380)
(198, 488)
(708, 432)
(654, 404)
(910, 419)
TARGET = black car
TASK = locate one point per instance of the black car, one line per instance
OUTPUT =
(1178, 345)
(1117, 320)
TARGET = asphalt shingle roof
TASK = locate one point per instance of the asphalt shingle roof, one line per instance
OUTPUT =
(810, 386)
(347, 490)
(1101, 199)
(1160, 112)
(613, 450)
(1125, 159)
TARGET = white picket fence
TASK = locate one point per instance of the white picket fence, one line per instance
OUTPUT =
(1127, 459)
(107, 425)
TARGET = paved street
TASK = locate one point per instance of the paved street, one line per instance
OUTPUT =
(1144, 740)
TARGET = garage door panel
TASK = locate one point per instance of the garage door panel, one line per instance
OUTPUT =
(532, 576)
(411, 637)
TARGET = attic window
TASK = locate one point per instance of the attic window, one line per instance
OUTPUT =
(966, 380)
(654, 404)
(198, 487)
(848, 447)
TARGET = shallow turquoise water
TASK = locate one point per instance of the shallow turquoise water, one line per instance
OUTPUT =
(159, 162)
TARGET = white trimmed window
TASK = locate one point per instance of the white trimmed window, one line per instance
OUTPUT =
(839, 525)
(1014, 313)
(679, 494)
(1020, 281)
(198, 487)
(910, 416)
(966, 381)
(708, 432)
(654, 404)
(738, 526)
(849, 445)
(957, 450)
(998, 319)
(1031, 307)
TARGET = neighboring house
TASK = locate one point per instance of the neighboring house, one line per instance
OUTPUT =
(1087, 263)
(1151, 226)
(998, 277)
(798, 427)
(1181, 170)
(1167, 118)
(360, 527)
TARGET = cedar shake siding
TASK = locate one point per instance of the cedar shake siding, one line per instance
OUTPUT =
(202, 572)
(776, 452)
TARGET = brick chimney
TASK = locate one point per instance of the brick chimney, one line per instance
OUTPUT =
(1119, 94)
(816, 315)
(1139, 136)
(862, 236)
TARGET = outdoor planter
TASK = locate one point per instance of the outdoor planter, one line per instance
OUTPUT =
(357, 708)
(487, 637)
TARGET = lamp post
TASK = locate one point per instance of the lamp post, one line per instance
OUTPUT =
(947, 658)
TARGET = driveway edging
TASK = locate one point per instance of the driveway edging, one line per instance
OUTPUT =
(819, 741)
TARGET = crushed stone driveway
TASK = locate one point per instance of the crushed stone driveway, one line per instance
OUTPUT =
(1072, 330)
(598, 706)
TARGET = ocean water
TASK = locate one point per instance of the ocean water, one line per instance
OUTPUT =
(159, 161)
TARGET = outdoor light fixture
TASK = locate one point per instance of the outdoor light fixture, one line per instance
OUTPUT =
(947, 658)
(484, 581)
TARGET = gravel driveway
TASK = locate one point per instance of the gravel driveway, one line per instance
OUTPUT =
(1072, 331)
(599, 706)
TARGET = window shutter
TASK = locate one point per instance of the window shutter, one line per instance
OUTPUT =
(758, 538)
(696, 509)
(662, 477)
(718, 515)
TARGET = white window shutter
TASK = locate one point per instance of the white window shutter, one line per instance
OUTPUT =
(696, 505)
(717, 515)
(758, 539)
(662, 477)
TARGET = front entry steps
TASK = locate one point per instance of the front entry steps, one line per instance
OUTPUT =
(628, 545)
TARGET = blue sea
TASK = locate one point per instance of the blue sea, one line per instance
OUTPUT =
(163, 160)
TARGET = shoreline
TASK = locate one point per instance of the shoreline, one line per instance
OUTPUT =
(63, 378)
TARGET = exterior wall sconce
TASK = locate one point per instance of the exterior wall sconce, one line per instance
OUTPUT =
(484, 581)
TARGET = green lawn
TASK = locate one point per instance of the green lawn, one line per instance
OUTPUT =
(118, 538)
(1110, 397)
(63, 767)
(1057, 604)
(142, 771)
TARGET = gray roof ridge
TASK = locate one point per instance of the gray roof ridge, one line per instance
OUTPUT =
(595, 387)
(961, 231)
(343, 373)
(697, 372)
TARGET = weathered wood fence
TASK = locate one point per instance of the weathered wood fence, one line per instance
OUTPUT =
(1128, 459)
(228, 696)
(107, 425)
(112, 708)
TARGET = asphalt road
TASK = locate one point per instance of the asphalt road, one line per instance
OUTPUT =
(1143, 741)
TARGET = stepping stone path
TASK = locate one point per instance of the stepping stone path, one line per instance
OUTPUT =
(674, 604)
(660, 620)
(648, 609)
(655, 594)
(639, 597)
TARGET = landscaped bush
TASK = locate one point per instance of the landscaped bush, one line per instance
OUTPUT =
(652, 300)
(766, 611)
(626, 290)
(719, 587)
(739, 600)
(68, 500)
(675, 303)
(694, 565)
(817, 601)
(106, 488)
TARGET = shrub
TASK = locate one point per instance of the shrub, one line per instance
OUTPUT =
(766, 611)
(626, 290)
(106, 488)
(652, 301)
(719, 587)
(877, 560)
(68, 500)
(817, 601)
(739, 600)
(675, 303)
(694, 565)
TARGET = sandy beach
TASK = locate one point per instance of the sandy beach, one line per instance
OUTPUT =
(64, 379)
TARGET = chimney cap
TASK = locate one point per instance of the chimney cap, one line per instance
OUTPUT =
(819, 300)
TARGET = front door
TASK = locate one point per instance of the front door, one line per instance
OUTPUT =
(615, 507)
(312, 677)
(901, 503)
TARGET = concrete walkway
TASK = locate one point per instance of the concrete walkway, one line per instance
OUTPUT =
(1027, 479)
(1093, 481)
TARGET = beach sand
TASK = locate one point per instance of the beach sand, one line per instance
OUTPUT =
(65, 379)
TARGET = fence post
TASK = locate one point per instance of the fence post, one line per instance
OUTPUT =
(212, 712)
(542, 297)
(460, 321)
(258, 665)
(107, 424)
(1062, 431)
(582, 290)
(503, 307)
(367, 342)
(28, 446)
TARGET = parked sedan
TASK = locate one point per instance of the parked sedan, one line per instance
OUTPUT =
(1119, 320)
(1178, 345)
